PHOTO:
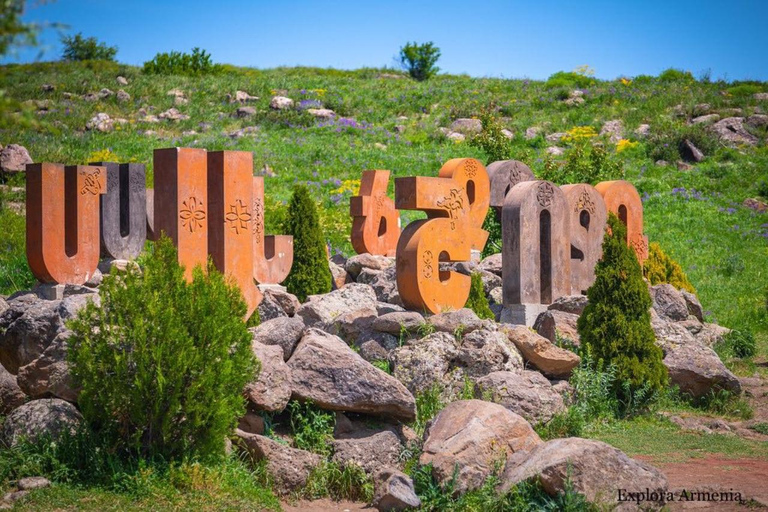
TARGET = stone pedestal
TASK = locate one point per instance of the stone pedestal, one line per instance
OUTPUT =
(50, 291)
(522, 314)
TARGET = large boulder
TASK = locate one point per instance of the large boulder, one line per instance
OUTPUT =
(483, 351)
(357, 263)
(574, 304)
(421, 363)
(290, 467)
(322, 310)
(272, 389)
(284, 332)
(369, 450)
(14, 158)
(470, 437)
(595, 469)
(27, 327)
(398, 321)
(548, 358)
(352, 325)
(554, 324)
(526, 393)
(393, 490)
(697, 370)
(491, 264)
(384, 285)
(325, 370)
(462, 321)
(49, 375)
(668, 302)
(11, 395)
(731, 131)
(33, 420)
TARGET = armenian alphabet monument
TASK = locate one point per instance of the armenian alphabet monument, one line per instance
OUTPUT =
(210, 204)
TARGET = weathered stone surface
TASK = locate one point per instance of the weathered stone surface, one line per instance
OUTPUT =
(287, 301)
(357, 263)
(467, 126)
(27, 327)
(643, 130)
(351, 325)
(614, 130)
(393, 490)
(693, 305)
(370, 450)
(505, 174)
(272, 389)
(421, 363)
(396, 322)
(173, 114)
(668, 302)
(483, 351)
(325, 370)
(49, 374)
(542, 354)
(711, 334)
(290, 467)
(464, 319)
(321, 311)
(385, 287)
(321, 113)
(490, 281)
(339, 275)
(622, 199)
(40, 417)
(731, 131)
(367, 276)
(280, 103)
(252, 423)
(241, 97)
(245, 111)
(758, 120)
(33, 482)
(706, 119)
(553, 324)
(101, 122)
(269, 309)
(595, 469)
(11, 395)
(690, 152)
(697, 370)
(492, 264)
(284, 332)
(473, 435)
(526, 393)
(14, 158)
(375, 221)
(587, 215)
(574, 304)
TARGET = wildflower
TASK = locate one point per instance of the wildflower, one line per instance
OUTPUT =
(625, 81)
(625, 144)
(580, 133)
(104, 155)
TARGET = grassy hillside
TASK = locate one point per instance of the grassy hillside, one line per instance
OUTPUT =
(696, 214)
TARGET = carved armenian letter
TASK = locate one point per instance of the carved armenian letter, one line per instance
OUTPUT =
(181, 203)
(273, 254)
(505, 174)
(452, 229)
(230, 220)
(151, 235)
(587, 217)
(621, 198)
(375, 224)
(536, 262)
(123, 211)
(63, 221)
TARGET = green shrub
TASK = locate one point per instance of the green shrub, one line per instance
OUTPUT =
(177, 63)
(616, 325)
(494, 143)
(477, 300)
(78, 47)
(725, 403)
(492, 225)
(660, 268)
(760, 428)
(310, 273)
(745, 89)
(162, 363)
(428, 403)
(585, 162)
(330, 479)
(762, 189)
(312, 427)
(570, 79)
(675, 75)
(737, 343)
(420, 59)
(667, 141)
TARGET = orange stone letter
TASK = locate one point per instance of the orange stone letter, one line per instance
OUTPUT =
(587, 216)
(63, 221)
(273, 254)
(456, 204)
(622, 198)
(375, 227)
(230, 237)
(181, 203)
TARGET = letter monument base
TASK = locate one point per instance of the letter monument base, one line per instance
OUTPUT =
(522, 314)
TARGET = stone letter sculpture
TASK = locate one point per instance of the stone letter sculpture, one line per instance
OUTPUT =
(230, 220)
(504, 175)
(375, 224)
(622, 198)
(536, 255)
(123, 211)
(456, 203)
(273, 254)
(587, 217)
(181, 203)
(63, 221)
(151, 235)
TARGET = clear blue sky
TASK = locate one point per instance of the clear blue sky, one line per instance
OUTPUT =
(482, 38)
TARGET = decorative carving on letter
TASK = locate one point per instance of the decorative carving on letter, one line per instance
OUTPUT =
(375, 224)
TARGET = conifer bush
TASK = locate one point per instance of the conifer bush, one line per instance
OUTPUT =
(310, 273)
(616, 324)
(477, 300)
(659, 268)
(162, 363)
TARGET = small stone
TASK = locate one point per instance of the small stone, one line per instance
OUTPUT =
(121, 80)
(532, 132)
(245, 111)
(242, 97)
(555, 151)
(173, 114)
(455, 136)
(281, 103)
(33, 482)
(123, 96)
(755, 204)
(643, 130)
(706, 119)
(321, 113)
(100, 122)
(690, 152)
(14, 158)
(467, 126)
(393, 490)
(731, 131)
(48, 87)
(555, 137)
(507, 133)
(614, 130)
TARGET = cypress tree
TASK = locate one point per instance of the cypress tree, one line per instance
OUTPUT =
(310, 273)
(616, 324)
(477, 300)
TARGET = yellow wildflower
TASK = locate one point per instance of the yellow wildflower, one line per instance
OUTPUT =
(625, 144)
(351, 186)
(626, 81)
(580, 133)
(104, 155)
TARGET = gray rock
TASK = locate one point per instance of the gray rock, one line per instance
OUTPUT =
(101, 122)
(51, 417)
(668, 302)
(325, 370)
(483, 351)
(731, 131)
(252, 423)
(555, 151)
(595, 469)
(123, 96)
(548, 358)
(555, 137)
(467, 126)
(706, 119)
(394, 323)
(382, 308)
(693, 305)
(532, 132)
(245, 112)
(14, 158)
(697, 370)
(385, 287)
(757, 120)
(321, 113)
(464, 319)
(711, 334)
(281, 103)
(473, 436)
(321, 311)
(554, 323)
(272, 389)
(339, 275)
(172, 114)
(690, 152)
(121, 80)
(491, 264)
(284, 332)
(49, 374)
(574, 304)
(368, 276)
(526, 393)
(269, 309)
(27, 327)
(422, 363)
(33, 482)
(643, 130)
(357, 263)
(370, 450)
(490, 281)
(11, 395)
(241, 97)
(287, 301)
(393, 490)
(351, 326)
(290, 467)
